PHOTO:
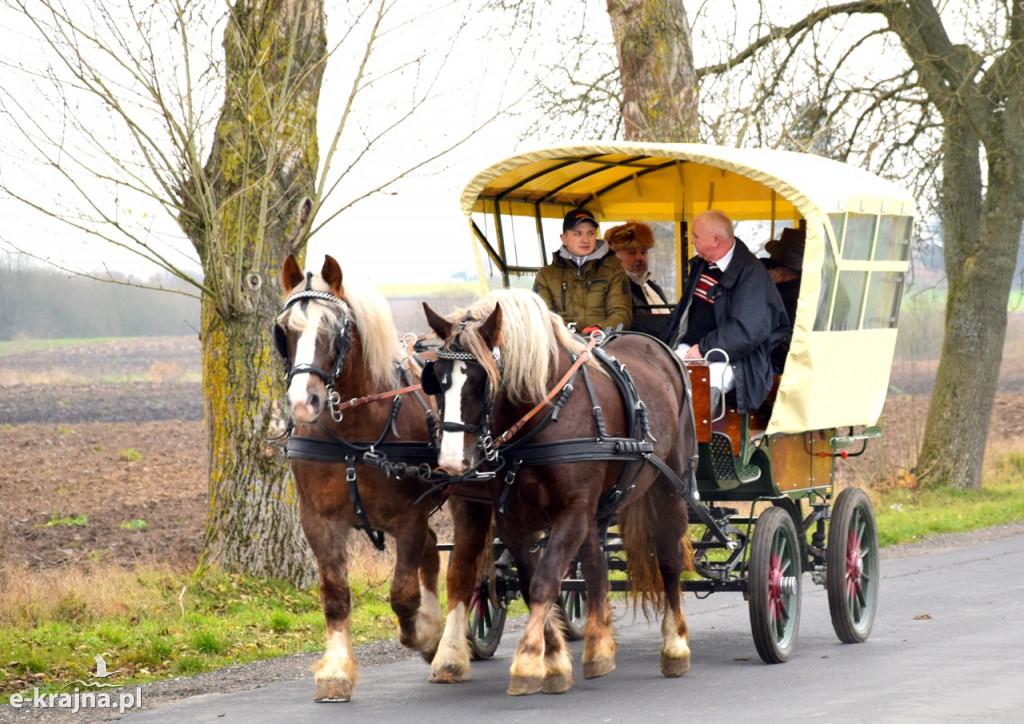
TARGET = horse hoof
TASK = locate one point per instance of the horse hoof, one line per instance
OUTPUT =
(674, 667)
(557, 683)
(598, 667)
(428, 656)
(449, 674)
(332, 690)
(524, 685)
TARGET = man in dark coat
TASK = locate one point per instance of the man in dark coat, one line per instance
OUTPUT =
(785, 264)
(729, 303)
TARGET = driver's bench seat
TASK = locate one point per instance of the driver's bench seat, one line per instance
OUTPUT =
(726, 441)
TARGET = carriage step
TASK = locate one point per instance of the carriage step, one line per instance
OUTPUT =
(729, 468)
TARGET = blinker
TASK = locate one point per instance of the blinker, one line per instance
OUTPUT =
(432, 384)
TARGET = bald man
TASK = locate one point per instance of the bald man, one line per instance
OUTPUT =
(729, 303)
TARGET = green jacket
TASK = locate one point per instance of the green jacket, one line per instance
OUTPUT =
(595, 294)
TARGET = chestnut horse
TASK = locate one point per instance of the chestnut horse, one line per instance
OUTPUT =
(341, 345)
(509, 366)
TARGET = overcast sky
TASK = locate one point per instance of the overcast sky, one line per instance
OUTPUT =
(416, 230)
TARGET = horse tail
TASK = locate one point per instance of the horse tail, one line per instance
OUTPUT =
(638, 524)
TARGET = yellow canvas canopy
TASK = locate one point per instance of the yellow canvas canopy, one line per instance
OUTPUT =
(857, 250)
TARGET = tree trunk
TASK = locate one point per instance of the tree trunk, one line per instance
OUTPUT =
(263, 161)
(659, 83)
(980, 253)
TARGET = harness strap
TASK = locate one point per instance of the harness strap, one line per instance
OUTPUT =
(595, 404)
(506, 489)
(569, 374)
(376, 536)
(335, 450)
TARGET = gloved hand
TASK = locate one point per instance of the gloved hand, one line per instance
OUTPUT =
(587, 331)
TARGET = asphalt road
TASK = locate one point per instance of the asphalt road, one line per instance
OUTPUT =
(945, 648)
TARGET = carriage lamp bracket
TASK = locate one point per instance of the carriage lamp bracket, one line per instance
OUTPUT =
(840, 443)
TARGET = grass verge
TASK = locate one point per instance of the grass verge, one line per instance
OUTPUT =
(152, 624)
(157, 624)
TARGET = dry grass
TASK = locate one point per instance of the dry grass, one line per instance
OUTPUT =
(75, 594)
(53, 378)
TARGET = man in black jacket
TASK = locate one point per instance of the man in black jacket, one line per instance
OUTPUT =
(731, 304)
(785, 265)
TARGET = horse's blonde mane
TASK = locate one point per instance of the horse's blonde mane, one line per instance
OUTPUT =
(376, 327)
(373, 323)
(529, 341)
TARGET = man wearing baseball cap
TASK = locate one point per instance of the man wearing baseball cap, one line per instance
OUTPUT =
(585, 283)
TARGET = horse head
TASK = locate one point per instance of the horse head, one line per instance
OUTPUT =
(313, 334)
(464, 379)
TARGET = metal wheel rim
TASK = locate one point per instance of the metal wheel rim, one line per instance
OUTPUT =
(861, 570)
(483, 614)
(783, 589)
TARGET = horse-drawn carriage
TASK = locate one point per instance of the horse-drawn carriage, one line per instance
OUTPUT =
(765, 479)
(591, 455)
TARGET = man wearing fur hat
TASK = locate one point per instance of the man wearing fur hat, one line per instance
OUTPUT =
(632, 242)
(585, 283)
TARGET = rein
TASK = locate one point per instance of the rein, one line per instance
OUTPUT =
(366, 399)
(554, 392)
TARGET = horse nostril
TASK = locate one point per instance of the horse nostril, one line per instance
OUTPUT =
(315, 401)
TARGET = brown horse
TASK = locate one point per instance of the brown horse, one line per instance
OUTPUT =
(504, 366)
(341, 345)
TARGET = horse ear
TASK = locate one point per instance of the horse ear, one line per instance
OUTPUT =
(441, 326)
(331, 273)
(291, 275)
(491, 327)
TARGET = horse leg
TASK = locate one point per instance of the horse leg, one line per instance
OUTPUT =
(429, 623)
(472, 527)
(598, 642)
(419, 615)
(335, 673)
(557, 659)
(674, 554)
(542, 661)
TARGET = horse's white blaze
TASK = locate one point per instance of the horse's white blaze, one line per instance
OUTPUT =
(453, 444)
(305, 353)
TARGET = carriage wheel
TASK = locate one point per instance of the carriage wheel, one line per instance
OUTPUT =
(486, 620)
(774, 585)
(851, 562)
(574, 613)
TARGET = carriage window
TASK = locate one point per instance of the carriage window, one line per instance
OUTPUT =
(883, 304)
(828, 276)
(838, 226)
(553, 237)
(521, 245)
(893, 238)
(860, 233)
(849, 299)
